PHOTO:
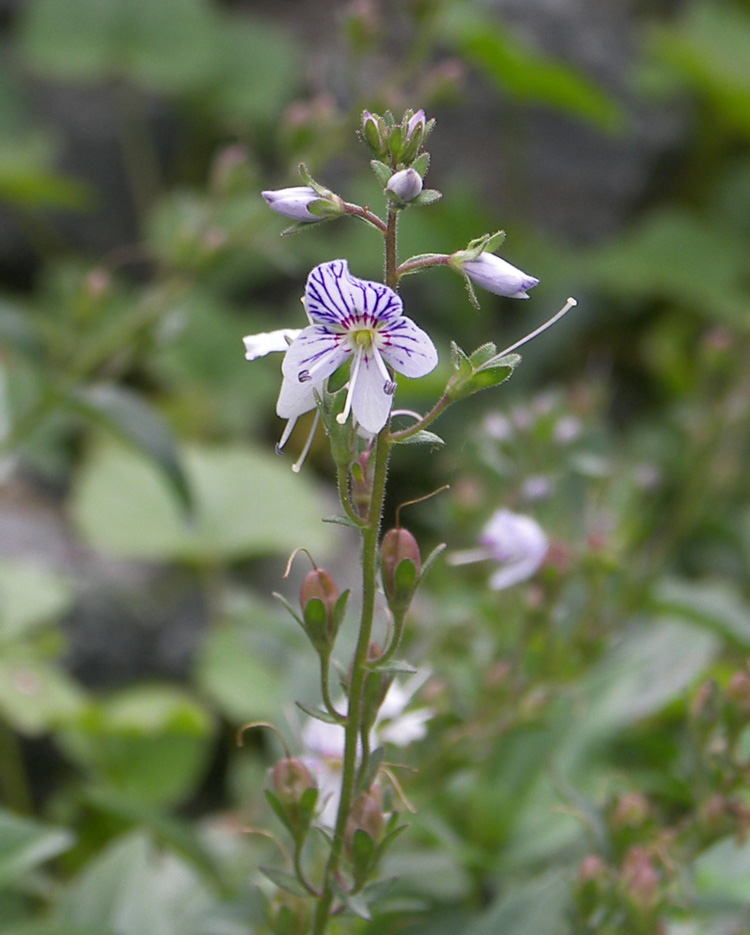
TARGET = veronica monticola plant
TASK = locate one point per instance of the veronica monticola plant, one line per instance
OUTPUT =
(343, 360)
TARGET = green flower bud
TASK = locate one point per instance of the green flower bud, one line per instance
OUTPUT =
(366, 815)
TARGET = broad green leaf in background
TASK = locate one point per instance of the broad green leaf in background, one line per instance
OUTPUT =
(666, 256)
(716, 606)
(30, 596)
(133, 888)
(149, 744)
(36, 695)
(242, 682)
(26, 844)
(525, 74)
(132, 420)
(710, 48)
(528, 908)
(246, 503)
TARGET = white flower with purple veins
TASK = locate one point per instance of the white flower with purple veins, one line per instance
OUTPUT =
(362, 322)
(497, 275)
(517, 542)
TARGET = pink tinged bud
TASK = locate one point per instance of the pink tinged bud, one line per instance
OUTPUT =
(293, 202)
(366, 815)
(319, 599)
(401, 567)
(496, 275)
(640, 879)
(406, 184)
(291, 779)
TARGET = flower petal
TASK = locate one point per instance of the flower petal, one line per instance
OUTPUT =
(295, 398)
(371, 404)
(317, 352)
(408, 349)
(335, 298)
(267, 342)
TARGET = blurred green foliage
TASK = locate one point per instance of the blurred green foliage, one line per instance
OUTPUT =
(585, 769)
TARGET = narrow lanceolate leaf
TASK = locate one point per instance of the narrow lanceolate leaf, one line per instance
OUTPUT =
(430, 560)
(285, 881)
(421, 438)
(317, 713)
(354, 903)
(133, 421)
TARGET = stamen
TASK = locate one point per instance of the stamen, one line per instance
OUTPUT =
(344, 415)
(389, 387)
(297, 466)
(304, 376)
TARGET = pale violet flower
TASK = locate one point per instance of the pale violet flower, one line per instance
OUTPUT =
(293, 202)
(323, 743)
(268, 342)
(497, 275)
(417, 122)
(359, 321)
(517, 542)
(406, 184)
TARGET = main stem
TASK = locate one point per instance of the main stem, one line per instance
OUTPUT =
(370, 539)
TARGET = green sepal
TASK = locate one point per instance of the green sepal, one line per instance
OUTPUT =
(396, 143)
(431, 558)
(353, 902)
(483, 354)
(316, 186)
(405, 580)
(316, 624)
(422, 164)
(382, 171)
(339, 610)
(366, 780)
(428, 196)
(318, 713)
(299, 226)
(325, 208)
(285, 603)
(471, 377)
(341, 437)
(285, 881)
(423, 437)
(390, 836)
(363, 857)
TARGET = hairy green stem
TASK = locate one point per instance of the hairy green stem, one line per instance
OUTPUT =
(370, 537)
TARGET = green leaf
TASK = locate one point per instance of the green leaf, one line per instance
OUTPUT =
(528, 908)
(423, 437)
(244, 504)
(525, 74)
(27, 844)
(35, 695)
(132, 420)
(355, 903)
(338, 520)
(148, 744)
(134, 888)
(285, 881)
(715, 606)
(382, 171)
(30, 596)
(230, 670)
(318, 713)
(430, 560)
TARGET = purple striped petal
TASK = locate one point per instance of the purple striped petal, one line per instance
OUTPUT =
(408, 349)
(335, 298)
(316, 353)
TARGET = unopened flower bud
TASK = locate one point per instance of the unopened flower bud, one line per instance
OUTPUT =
(291, 778)
(318, 598)
(738, 691)
(375, 133)
(366, 815)
(295, 203)
(290, 915)
(375, 689)
(406, 184)
(401, 565)
(495, 275)
(640, 879)
(631, 811)
(415, 132)
(362, 484)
